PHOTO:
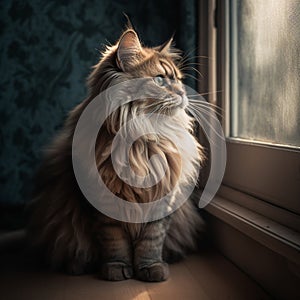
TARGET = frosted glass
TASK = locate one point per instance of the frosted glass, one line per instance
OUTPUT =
(265, 67)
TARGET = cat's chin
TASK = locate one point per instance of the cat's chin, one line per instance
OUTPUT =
(183, 102)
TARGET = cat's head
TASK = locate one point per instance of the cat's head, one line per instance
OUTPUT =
(129, 59)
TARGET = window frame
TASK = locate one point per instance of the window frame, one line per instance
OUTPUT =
(274, 194)
(256, 235)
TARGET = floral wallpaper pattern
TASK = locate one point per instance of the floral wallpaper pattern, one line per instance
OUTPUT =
(47, 49)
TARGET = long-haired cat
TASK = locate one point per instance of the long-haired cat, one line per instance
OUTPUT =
(72, 233)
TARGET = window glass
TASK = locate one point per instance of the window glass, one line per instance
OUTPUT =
(265, 70)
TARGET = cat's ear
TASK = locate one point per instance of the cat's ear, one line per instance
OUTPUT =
(129, 24)
(165, 47)
(129, 49)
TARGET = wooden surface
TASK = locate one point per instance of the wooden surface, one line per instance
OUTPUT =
(205, 276)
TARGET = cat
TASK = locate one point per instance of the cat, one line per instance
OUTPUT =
(75, 236)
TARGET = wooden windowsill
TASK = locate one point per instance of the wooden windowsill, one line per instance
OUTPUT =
(273, 235)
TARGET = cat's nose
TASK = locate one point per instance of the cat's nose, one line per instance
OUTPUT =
(178, 89)
(179, 92)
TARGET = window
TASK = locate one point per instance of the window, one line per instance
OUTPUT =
(258, 92)
(265, 71)
(257, 72)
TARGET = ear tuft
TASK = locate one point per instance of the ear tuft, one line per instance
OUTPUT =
(129, 49)
(165, 47)
(129, 24)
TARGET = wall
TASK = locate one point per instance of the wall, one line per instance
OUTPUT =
(47, 49)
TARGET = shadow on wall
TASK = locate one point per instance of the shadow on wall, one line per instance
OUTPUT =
(47, 49)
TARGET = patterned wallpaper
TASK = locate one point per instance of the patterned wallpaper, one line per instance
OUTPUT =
(47, 49)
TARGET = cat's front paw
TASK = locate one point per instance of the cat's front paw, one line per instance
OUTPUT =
(155, 272)
(116, 271)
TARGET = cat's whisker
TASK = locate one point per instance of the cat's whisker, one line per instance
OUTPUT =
(191, 76)
(205, 93)
(201, 119)
(203, 103)
(153, 112)
(195, 70)
(192, 69)
(200, 56)
(160, 111)
(205, 108)
(188, 53)
(154, 104)
(190, 65)
(188, 62)
(200, 100)
(187, 58)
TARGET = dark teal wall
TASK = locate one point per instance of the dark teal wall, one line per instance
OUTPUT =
(47, 48)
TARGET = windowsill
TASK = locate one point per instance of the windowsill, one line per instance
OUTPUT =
(277, 237)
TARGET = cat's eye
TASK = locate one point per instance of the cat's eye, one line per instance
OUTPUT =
(160, 80)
